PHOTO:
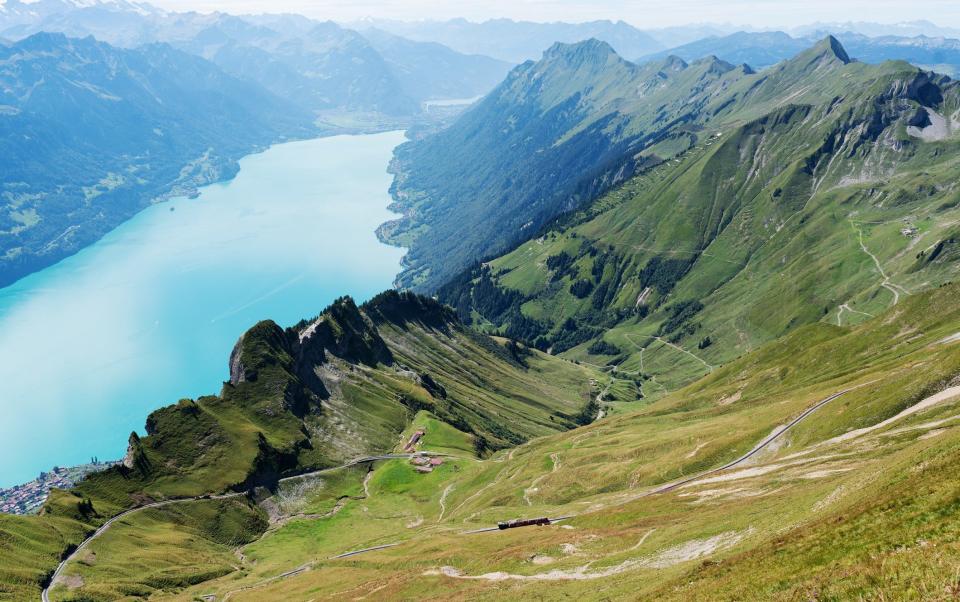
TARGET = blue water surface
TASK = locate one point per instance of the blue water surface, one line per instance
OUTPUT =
(149, 314)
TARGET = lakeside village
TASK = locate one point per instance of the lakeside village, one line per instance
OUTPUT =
(29, 497)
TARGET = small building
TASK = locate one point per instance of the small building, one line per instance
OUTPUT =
(414, 439)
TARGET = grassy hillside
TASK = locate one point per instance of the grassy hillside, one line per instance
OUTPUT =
(762, 320)
(344, 385)
(856, 501)
(559, 132)
(814, 212)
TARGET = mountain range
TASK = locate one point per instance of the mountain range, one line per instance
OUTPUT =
(699, 203)
(516, 41)
(763, 49)
(92, 134)
(162, 103)
(693, 334)
(319, 65)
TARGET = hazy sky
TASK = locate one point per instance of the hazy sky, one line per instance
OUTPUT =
(642, 13)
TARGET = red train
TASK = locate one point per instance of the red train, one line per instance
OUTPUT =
(523, 522)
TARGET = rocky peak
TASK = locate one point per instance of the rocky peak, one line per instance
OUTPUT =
(43, 42)
(590, 53)
(713, 65)
(673, 64)
(343, 330)
(832, 48)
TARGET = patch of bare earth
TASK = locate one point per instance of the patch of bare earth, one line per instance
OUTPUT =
(690, 550)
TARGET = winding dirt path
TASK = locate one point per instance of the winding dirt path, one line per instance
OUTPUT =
(57, 574)
(443, 501)
(846, 307)
(893, 288)
(682, 350)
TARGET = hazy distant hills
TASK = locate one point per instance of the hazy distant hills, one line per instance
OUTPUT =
(317, 65)
(328, 67)
(91, 134)
(762, 49)
(116, 21)
(921, 27)
(428, 70)
(518, 41)
(324, 68)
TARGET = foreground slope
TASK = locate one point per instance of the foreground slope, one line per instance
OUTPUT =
(319, 395)
(831, 207)
(857, 498)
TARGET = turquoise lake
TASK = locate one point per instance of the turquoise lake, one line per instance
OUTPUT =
(149, 314)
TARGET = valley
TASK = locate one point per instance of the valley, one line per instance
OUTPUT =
(679, 327)
(776, 470)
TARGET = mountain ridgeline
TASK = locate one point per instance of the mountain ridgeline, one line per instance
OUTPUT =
(698, 205)
(559, 132)
(343, 385)
(750, 270)
(763, 49)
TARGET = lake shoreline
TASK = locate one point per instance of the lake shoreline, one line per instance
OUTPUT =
(227, 172)
(301, 234)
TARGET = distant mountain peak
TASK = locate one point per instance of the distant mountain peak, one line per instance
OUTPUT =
(43, 41)
(592, 51)
(831, 46)
(713, 64)
(673, 63)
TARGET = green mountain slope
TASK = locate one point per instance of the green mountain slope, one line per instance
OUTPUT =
(321, 394)
(551, 136)
(559, 132)
(856, 498)
(831, 207)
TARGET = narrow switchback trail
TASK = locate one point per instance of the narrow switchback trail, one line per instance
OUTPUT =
(895, 289)
(45, 594)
